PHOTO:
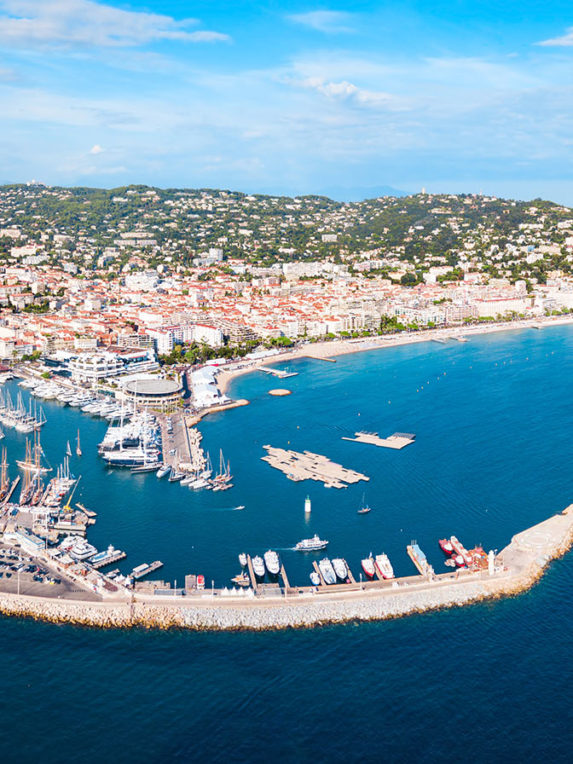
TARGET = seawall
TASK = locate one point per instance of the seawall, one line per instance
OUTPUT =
(518, 567)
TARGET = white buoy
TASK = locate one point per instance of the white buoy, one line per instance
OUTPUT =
(307, 506)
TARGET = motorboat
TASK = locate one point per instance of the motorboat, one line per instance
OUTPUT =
(384, 566)
(340, 568)
(368, 566)
(328, 574)
(272, 562)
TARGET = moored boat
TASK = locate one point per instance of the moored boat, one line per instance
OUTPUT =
(368, 566)
(384, 566)
(272, 562)
(258, 566)
(340, 568)
(315, 578)
(327, 571)
(446, 546)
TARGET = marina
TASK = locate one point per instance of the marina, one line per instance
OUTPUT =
(65, 541)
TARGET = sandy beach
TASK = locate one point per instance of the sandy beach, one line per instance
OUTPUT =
(329, 350)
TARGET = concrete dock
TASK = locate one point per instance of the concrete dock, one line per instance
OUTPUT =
(308, 466)
(397, 441)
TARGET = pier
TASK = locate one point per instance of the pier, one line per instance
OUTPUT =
(254, 582)
(308, 466)
(281, 373)
(144, 570)
(109, 560)
(397, 441)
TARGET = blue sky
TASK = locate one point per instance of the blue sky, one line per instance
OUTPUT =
(290, 97)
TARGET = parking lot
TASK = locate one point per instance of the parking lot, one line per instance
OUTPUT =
(21, 573)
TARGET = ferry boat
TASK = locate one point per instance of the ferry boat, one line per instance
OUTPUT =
(258, 566)
(368, 566)
(272, 562)
(340, 568)
(327, 571)
(384, 566)
(314, 544)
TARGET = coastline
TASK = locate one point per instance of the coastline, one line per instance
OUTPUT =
(325, 351)
(518, 567)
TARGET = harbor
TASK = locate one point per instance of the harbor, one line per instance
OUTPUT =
(517, 567)
(199, 531)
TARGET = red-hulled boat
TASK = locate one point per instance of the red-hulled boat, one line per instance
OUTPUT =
(368, 566)
(446, 546)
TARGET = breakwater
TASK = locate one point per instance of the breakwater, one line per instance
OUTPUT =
(518, 567)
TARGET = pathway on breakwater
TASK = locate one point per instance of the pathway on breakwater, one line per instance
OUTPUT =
(517, 568)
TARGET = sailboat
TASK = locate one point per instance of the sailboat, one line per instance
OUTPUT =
(78, 447)
(33, 459)
(4, 479)
(364, 509)
(68, 449)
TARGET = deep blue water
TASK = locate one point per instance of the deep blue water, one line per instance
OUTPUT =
(493, 420)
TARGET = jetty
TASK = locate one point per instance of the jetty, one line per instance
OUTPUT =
(103, 559)
(396, 441)
(281, 373)
(145, 569)
(308, 466)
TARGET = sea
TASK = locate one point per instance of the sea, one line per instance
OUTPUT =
(493, 420)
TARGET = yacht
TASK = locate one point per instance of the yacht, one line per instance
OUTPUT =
(314, 544)
(340, 568)
(243, 560)
(258, 566)
(164, 470)
(272, 562)
(315, 578)
(327, 571)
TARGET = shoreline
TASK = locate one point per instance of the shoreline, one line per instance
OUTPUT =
(518, 567)
(324, 351)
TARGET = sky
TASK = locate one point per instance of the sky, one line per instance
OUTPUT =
(290, 97)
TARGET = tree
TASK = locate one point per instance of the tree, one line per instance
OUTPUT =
(409, 279)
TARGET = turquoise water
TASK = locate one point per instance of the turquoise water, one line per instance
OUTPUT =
(493, 419)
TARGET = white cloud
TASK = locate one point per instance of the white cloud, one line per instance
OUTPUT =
(330, 22)
(347, 91)
(86, 22)
(565, 41)
(97, 149)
